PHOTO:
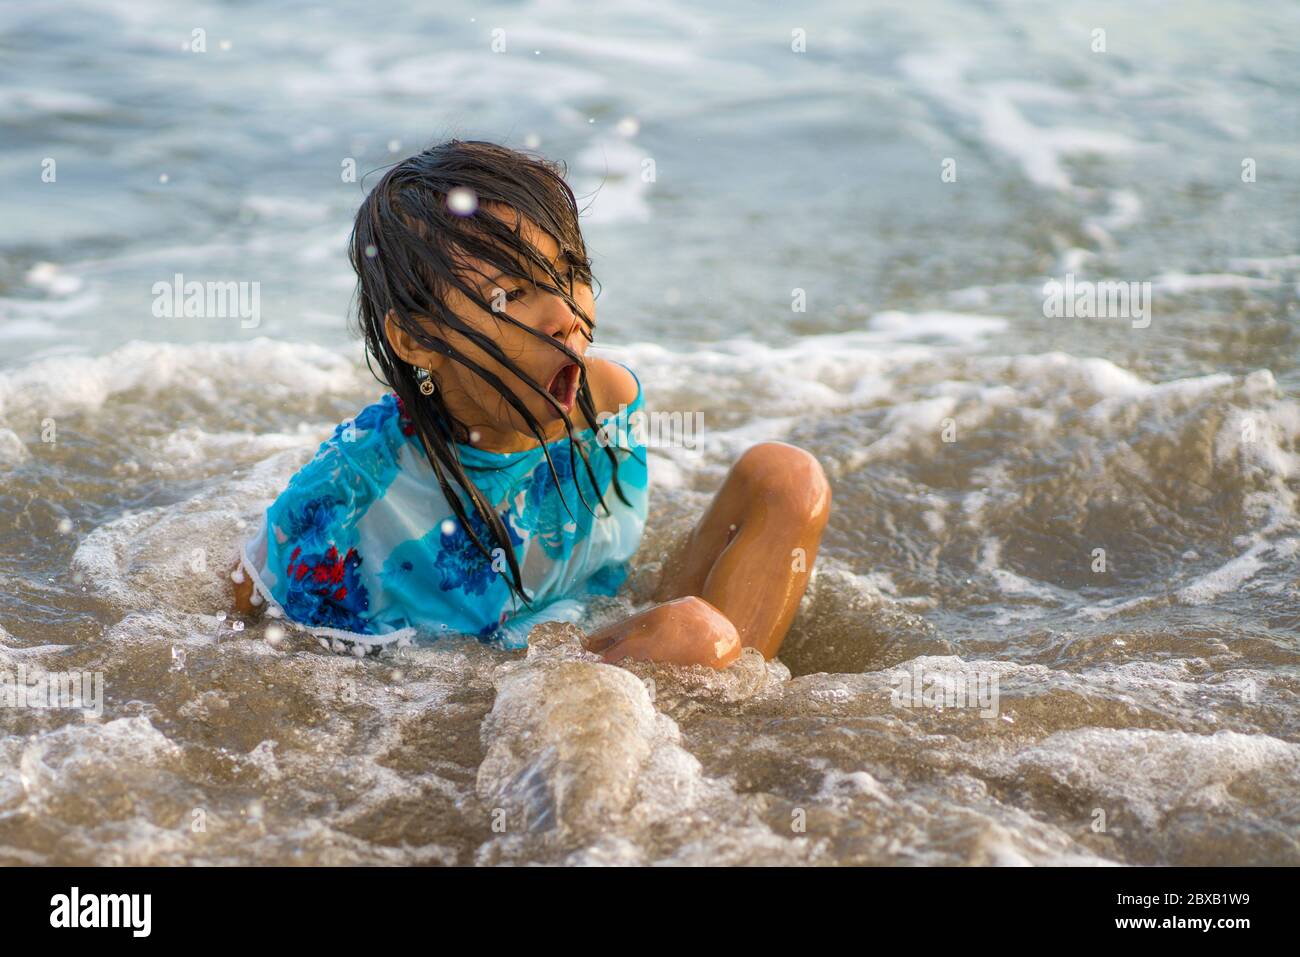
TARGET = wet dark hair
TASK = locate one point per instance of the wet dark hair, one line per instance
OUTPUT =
(409, 249)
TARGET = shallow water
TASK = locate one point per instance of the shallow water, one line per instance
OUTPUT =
(1146, 712)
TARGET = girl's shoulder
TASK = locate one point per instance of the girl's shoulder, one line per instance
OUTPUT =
(384, 420)
(614, 386)
(355, 465)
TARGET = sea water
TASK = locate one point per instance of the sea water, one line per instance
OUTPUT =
(1055, 616)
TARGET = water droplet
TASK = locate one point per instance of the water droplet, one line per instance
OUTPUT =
(462, 201)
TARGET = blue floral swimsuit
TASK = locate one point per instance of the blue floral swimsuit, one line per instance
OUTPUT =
(362, 548)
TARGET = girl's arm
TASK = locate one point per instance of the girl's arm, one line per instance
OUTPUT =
(685, 631)
(243, 589)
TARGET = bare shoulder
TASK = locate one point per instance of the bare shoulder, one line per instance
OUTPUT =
(612, 385)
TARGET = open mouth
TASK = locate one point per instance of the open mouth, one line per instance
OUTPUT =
(563, 386)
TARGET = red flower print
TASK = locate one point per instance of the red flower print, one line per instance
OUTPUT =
(408, 427)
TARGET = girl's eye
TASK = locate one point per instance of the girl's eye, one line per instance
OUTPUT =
(514, 295)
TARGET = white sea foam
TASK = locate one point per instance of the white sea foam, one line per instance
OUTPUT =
(39, 310)
(1157, 775)
(12, 450)
(1178, 284)
(613, 181)
(1266, 264)
(780, 385)
(48, 276)
(15, 102)
(14, 330)
(1040, 151)
(281, 208)
(279, 370)
(951, 327)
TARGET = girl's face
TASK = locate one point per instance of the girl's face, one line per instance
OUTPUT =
(476, 403)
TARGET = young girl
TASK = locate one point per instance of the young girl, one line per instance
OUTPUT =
(503, 481)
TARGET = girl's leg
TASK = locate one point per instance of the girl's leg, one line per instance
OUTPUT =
(684, 631)
(752, 552)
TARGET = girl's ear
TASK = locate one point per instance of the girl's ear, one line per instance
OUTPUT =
(406, 347)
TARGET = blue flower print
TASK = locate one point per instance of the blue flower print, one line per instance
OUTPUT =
(488, 631)
(545, 513)
(460, 562)
(313, 520)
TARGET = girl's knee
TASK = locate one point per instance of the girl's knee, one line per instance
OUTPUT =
(786, 477)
